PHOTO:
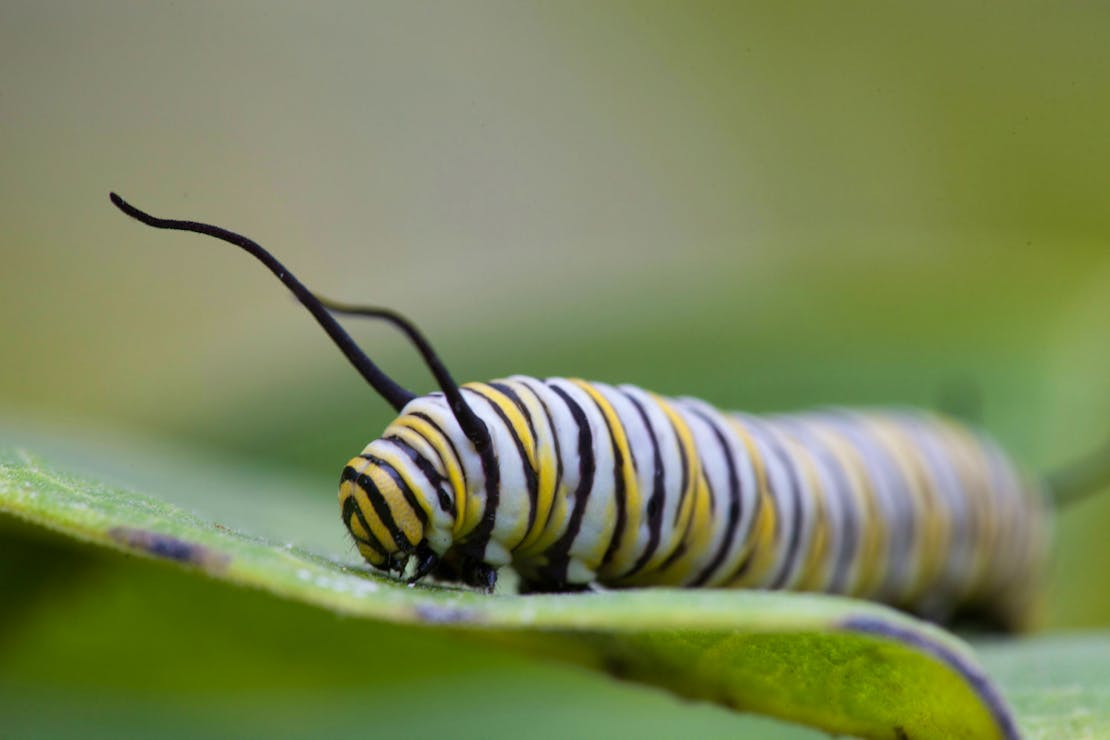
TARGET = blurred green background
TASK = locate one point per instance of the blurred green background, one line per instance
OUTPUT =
(770, 208)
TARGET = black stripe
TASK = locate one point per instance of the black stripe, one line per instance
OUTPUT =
(658, 492)
(557, 554)
(742, 568)
(685, 462)
(446, 503)
(901, 523)
(875, 512)
(475, 545)
(878, 474)
(351, 509)
(678, 551)
(619, 485)
(911, 524)
(850, 538)
(530, 480)
(765, 483)
(381, 509)
(558, 452)
(410, 496)
(683, 541)
(512, 396)
(682, 494)
(447, 439)
(733, 503)
(795, 544)
(531, 475)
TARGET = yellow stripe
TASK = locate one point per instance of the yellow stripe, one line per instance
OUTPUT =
(869, 563)
(377, 528)
(668, 534)
(972, 467)
(697, 538)
(761, 547)
(518, 425)
(355, 525)
(425, 451)
(818, 562)
(686, 439)
(465, 518)
(402, 463)
(761, 527)
(623, 558)
(403, 515)
(539, 538)
(372, 556)
(516, 419)
(931, 544)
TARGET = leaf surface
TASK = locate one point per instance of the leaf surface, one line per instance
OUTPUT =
(837, 664)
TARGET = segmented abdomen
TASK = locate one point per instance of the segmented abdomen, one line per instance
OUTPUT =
(621, 487)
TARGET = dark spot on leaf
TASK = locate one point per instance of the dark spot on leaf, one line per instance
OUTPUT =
(169, 547)
(616, 666)
(444, 614)
(900, 733)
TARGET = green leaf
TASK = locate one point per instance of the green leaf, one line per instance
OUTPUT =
(837, 664)
(1058, 684)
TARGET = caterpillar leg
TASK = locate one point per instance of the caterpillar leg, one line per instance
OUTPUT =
(560, 575)
(480, 575)
(547, 587)
(426, 561)
(459, 567)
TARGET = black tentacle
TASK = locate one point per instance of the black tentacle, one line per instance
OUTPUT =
(471, 424)
(396, 395)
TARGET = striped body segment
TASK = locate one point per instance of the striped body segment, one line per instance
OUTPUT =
(595, 484)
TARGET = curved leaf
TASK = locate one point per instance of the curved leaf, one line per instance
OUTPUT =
(841, 665)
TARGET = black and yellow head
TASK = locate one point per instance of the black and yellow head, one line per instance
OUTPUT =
(386, 518)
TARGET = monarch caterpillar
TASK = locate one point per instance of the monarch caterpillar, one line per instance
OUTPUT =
(576, 484)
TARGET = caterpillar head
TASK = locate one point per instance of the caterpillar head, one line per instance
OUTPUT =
(387, 519)
(387, 523)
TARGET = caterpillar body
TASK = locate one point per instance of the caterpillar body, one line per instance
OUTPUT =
(576, 484)
(596, 484)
